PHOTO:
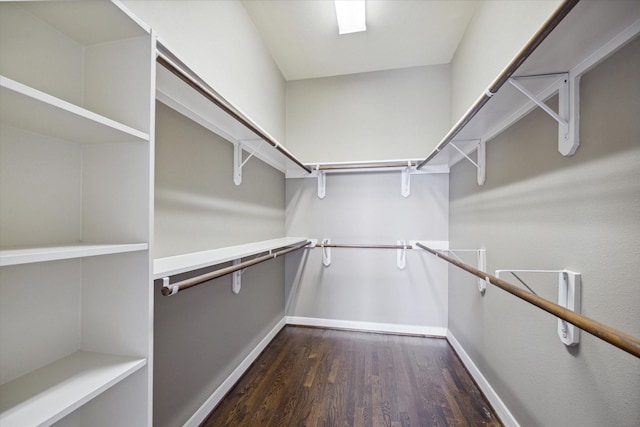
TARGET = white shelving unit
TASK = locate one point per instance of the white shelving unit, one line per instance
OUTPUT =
(169, 266)
(76, 98)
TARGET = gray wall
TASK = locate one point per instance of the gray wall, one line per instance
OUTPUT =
(495, 35)
(380, 115)
(218, 40)
(202, 334)
(365, 285)
(539, 210)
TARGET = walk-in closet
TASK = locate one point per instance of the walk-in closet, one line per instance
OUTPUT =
(238, 213)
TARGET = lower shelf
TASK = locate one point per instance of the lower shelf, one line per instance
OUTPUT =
(46, 395)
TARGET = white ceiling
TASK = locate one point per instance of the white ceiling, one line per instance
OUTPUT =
(302, 35)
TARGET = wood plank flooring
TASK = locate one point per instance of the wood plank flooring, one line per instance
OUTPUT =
(322, 377)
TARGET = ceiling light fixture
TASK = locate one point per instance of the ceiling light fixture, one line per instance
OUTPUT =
(351, 16)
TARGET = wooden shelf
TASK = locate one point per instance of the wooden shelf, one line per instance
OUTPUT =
(46, 395)
(169, 266)
(27, 255)
(27, 108)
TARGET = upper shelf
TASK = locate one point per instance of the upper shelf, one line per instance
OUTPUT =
(88, 23)
(590, 32)
(27, 108)
(169, 266)
(183, 90)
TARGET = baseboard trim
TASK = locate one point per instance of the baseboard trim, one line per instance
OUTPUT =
(367, 326)
(201, 414)
(498, 405)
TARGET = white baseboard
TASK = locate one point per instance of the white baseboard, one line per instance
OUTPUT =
(368, 326)
(201, 414)
(498, 405)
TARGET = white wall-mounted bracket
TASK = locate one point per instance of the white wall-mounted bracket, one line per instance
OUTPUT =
(481, 159)
(569, 295)
(405, 186)
(238, 162)
(165, 284)
(326, 252)
(401, 257)
(236, 278)
(568, 114)
(322, 183)
(481, 261)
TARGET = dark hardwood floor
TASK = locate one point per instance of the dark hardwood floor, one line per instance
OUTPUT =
(322, 377)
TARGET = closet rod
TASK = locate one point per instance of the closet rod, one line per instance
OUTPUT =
(623, 341)
(522, 56)
(371, 165)
(218, 100)
(358, 246)
(187, 283)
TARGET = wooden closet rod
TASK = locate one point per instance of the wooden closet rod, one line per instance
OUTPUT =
(623, 341)
(223, 104)
(522, 56)
(187, 283)
(358, 246)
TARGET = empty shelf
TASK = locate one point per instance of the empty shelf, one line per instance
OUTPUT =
(46, 395)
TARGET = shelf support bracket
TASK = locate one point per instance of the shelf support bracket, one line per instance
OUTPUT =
(568, 109)
(326, 252)
(401, 257)
(569, 295)
(405, 188)
(481, 260)
(238, 163)
(481, 159)
(322, 183)
(236, 279)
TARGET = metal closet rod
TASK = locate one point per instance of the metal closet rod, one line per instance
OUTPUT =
(363, 246)
(371, 165)
(623, 341)
(188, 283)
(522, 56)
(224, 105)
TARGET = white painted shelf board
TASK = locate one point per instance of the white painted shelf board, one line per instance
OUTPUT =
(169, 266)
(88, 23)
(27, 108)
(586, 29)
(31, 254)
(46, 395)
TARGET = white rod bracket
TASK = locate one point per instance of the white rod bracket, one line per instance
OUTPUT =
(405, 186)
(482, 266)
(481, 153)
(569, 295)
(569, 291)
(237, 163)
(236, 280)
(165, 284)
(322, 184)
(326, 252)
(401, 257)
(568, 109)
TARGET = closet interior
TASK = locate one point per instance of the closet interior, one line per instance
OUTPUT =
(155, 239)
